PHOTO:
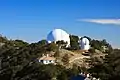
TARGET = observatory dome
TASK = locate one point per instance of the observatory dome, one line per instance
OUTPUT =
(84, 43)
(58, 35)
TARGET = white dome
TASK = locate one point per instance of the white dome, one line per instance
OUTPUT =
(58, 35)
(84, 43)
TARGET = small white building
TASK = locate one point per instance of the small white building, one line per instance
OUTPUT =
(47, 59)
(84, 44)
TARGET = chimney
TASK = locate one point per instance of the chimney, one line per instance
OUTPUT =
(47, 55)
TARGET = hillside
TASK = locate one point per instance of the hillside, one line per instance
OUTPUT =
(78, 58)
(18, 61)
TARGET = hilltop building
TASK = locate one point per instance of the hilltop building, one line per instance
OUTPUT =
(58, 35)
(84, 44)
(46, 59)
(61, 35)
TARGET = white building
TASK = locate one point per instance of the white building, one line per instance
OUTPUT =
(58, 35)
(47, 59)
(84, 44)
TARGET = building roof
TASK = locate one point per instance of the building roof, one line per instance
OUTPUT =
(47, 58)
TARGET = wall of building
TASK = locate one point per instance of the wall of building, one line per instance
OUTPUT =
(46, 61)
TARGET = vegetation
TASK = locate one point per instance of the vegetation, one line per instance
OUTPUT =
(74, 42)
(101, 45)
(61, 44)
(42, 42)
(18, 61)
(109, 69)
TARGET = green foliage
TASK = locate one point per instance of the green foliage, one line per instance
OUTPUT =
(18, 61)
(74, 42)
(20, 43)
(61, 44)
(62, 76)
(3, 39)
(52, 47)
(96, 44)
(92, 50)
(75, 70)
(109, 69)
(42, 42)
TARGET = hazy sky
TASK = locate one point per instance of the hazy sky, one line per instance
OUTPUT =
(32, 20)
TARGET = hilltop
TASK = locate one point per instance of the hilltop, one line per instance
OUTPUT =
(72, 55)
(18, 60)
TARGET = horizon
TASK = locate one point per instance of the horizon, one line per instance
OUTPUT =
(46, 39)
(31, 21)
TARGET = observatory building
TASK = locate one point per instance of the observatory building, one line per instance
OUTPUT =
(84, 44)
(58, 35)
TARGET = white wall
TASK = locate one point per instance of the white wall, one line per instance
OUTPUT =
(47, 61)
(85, 47)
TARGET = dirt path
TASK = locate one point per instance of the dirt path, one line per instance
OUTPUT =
(76, 57)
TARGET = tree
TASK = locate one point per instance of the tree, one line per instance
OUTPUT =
(74, 42)
(103, 45)
(52, 47)
(110, 68)
(92, 50)
(20, 43)
(22, 64)
(96, 44)
(61, 44)
(3, 39)
(75, 70)
(42, 42)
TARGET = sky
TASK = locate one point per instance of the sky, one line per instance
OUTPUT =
(32, 20)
